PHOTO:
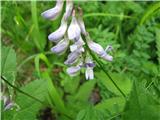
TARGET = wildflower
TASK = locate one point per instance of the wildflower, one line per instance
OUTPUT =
(73, 70)
(53, 13)
(95, 47)
(77, 45)
(69, 8)
(89, 69)
(61, 47)
(74, 30)
(59, 33)
(73, 57)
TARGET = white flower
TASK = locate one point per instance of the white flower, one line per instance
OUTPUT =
(74, 29)
(69, 8)
(89, 73)
(53, 13)
(59, 33)
(77, 45)
(61, 47)
(89, 69)
(100, 51)
(73, 70)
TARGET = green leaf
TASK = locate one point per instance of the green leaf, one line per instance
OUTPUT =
(120, 79)
(28, 108)
(113, 105)
(90, 113)
(85, 90)
(158, 43)
(8, 64)
(141, 105)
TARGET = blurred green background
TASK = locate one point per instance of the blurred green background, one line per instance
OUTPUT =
(132, 28)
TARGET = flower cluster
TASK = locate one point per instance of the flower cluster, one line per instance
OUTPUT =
(71, 37)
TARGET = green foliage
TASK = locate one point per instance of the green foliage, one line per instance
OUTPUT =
(141, 104)
(132, 28)
(28, 108)
(8, 64)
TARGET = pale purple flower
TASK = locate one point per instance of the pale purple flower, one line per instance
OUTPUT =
(77, 45)
(53, 13)
(72, 71)
(59, 33)
(105, 56)
(73, 57)
(69, 8)
(74, 30)
(95, 47)
(61, 47)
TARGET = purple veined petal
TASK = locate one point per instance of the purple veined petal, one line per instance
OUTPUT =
(72, 58)
(73, 70)
(59, 33)
(74, 29)
(69, 8)
(61, 47)
(95, 47)
(107, 57)
(89, 73)
(53, 13)
(89, 62)
(77, 45)
(8, 106)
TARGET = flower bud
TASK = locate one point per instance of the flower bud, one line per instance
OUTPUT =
(74, 30)
(61, 47)
(53, 13)
(59, 33)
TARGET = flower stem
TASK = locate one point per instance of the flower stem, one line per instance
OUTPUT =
(103, 69)
(21, 91)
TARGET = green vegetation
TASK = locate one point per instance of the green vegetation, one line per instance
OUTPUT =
(35, 80)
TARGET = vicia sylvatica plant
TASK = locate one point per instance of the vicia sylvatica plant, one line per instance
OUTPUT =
(71, 35)
(80, 60)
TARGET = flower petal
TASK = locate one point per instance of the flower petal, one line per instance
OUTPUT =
(74, 29)
(69, 8)
(60, 47)
(73, 70)
(59, 33)
(72, 57)
(95, 47)
(53, 13)
(107, 57)
(89, 73)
